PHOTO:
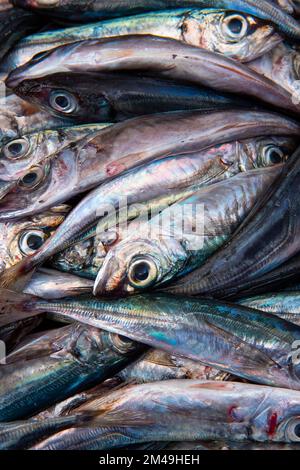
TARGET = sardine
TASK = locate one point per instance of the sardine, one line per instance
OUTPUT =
(266, 240)
(163, 57)
(86, 256)
(97, 9)
(144, 183)
(210, 29)
(90, 97)
(20, 155)
(245, 342)
(182, 237)
(191, 410)
(84, 357)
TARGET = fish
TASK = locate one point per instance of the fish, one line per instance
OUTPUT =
(19, 156)
(181, 237)
(282, 66)
(99, 9)
(81, 358)
(97, 98)
(210, 29)
(85, 257)
(22, 238)
(13, 332)
(15, 24)
(24, 434)
(272, 228)
(156, 365)
(284, 304)
(51, 284)
(163, 57)
(191, 410)
(247, 343)
(145, 182)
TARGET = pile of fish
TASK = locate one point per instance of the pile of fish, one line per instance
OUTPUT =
(149, 224)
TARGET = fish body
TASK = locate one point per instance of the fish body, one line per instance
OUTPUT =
(284, 304)
(202, 28)
(190, 410)
(272, 228)
(88, 97)
(244, 342)
(80, 358)
(19, 155)
(51, 284)
(165, 58)
(183, 236)
(81, 11)
(144, 183)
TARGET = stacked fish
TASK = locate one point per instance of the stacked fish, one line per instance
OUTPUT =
(149, 224)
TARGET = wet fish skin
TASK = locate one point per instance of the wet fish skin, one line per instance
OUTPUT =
(102, 8)
(168, 252)
(166, 58)
(24, 434)
(253, 345)
(38, 147)
(157, 365)
(284, 304)
(18, 240)
(111, 98)
(272, 228)
(14, 332)
(14, 25)
(195, 136)
(86, 357)
(191, 410)
(86, 256)
(195, 27)
(51, 284)
(282, 66)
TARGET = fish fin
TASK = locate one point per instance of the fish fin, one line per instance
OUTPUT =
(103, 418)
(17, 276)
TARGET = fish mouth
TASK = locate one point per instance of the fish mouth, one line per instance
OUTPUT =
(109, 278)
(270, 41)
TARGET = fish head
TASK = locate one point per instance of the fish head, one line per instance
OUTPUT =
(21, 239)
(234, 34)
(41, 187)
(136, 265)
(73, 96)
(277, 417)
(88, 344)
(265, 152)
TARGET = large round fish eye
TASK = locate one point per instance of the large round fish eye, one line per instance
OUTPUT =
(31, 241)
(292, 430)
(121, 344)
(235, 27)
(33, 178)
(62, 101)
(272, 155)
(16, 149)
(142, 273)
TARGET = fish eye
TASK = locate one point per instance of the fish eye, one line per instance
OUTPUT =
(63, 102)
(235, 27)
(142, 273)
(273, 155)
(33, 178)
(292, 430)
(16, 149)
(31, 241)
(121, 344)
